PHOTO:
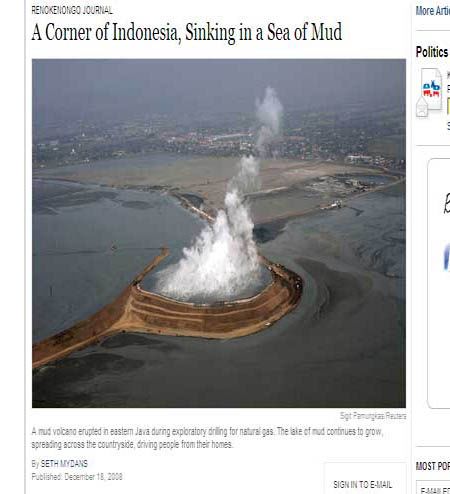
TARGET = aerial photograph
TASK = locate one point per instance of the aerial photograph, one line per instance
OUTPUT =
(218, 233)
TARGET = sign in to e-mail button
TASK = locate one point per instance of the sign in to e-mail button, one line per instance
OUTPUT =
(365, 477)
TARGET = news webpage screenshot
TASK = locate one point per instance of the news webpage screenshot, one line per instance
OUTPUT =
(237, 248)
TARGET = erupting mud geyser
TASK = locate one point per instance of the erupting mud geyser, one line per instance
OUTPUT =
(223, 260)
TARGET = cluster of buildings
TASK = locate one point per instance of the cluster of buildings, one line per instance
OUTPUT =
(320, 137)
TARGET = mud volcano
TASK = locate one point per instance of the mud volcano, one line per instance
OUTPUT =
(140, 311)
(224, 257)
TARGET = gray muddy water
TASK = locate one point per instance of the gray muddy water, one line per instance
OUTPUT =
(89, 242)
(343, 346)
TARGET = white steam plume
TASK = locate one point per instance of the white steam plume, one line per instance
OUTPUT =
(269, 112)
(223, 260)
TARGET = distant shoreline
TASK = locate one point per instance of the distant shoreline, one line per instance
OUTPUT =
(205, 211)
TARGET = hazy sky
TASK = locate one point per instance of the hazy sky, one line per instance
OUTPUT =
(79, 89)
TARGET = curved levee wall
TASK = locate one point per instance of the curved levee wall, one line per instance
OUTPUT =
(137, 310)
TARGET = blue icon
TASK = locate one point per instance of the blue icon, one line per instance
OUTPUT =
(435, 86)
(446, 257)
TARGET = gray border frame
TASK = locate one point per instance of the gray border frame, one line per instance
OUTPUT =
(428, 284)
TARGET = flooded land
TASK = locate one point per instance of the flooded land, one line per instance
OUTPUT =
(341, 227)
